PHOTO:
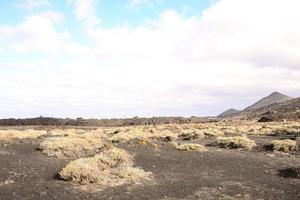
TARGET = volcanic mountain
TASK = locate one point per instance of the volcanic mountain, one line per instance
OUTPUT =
(268, 104)
(228, 112)
(275, 97)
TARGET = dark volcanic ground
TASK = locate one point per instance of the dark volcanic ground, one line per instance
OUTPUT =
(217, 174)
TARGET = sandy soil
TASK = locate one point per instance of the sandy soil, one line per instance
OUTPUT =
(217, 174)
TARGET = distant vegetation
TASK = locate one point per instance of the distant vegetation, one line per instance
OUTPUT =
(49, 121)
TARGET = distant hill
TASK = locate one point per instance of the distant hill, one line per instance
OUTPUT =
(228, 112)
(275, 97)
(289, 110)
(274, 107)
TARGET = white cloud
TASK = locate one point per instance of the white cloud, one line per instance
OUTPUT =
(85, 11)
(38, 34)
(135, 3)
(170, 66)
(33, 4)
(261, 32)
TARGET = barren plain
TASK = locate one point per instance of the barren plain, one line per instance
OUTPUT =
(217, 160)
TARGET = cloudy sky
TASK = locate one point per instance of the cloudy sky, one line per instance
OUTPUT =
(122, 58)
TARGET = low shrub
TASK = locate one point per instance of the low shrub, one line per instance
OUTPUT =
(110, 168)
(72, 146)
(235, 142)
(288, 131)
(284, 145)
(213, 132)
(190, 147)
(11, 135)
(191, 134)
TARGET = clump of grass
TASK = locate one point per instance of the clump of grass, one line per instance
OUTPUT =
(190, 147)
(288, 131)
(165, 133)
(72, 146)
(213, 132)
(284, 145)
(235, 142)
(127, 136)
(141, 133)
(191, 134)
(260, 131)
(62, 132)
(121, 137)
(110, 168)
(12, 135)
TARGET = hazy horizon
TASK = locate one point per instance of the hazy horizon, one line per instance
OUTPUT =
(111, 59)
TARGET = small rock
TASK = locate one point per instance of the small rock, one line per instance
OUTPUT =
(8, 182)
(166, 139)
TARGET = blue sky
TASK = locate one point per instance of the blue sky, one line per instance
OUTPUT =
(113, 58)
(112, 13)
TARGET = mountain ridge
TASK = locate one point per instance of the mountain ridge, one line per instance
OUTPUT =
(274, 97)
(228, 112)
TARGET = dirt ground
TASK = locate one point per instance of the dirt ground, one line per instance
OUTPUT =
(216, 174)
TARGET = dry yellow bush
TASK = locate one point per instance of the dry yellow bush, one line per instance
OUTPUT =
(190, 147)
(121, 137)
(128, 135)
(11, 135)
(235, 142)
(75, 146)
(191, 134)
(110, 168)
(165, 133)
(284, 145)
(213, 132)
(229, 131)
(67, 132)
(141, 133)
(288, 131)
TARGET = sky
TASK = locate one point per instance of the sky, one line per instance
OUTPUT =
(126, 58)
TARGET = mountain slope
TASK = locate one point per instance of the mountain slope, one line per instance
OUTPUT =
(275, 97)
(289, 110)
(228, 112)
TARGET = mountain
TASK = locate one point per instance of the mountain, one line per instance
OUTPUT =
(228, 112)
(276, 106)
(287, 110)
(284, 110)
(275, 97)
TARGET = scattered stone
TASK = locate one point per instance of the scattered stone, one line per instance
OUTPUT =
(165, 139)
(271, 155)
(4, 152)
